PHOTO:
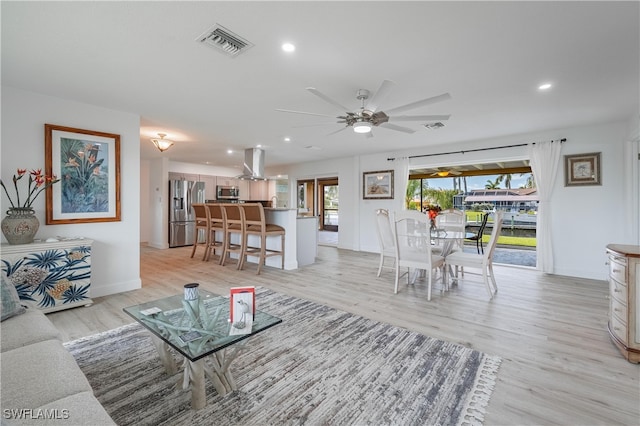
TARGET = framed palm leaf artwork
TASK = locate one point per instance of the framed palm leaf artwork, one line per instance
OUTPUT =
(87, 163)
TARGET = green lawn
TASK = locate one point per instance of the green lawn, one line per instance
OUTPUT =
(476, 217)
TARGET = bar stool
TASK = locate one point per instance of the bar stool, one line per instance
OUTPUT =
(216, 227)
(202, 223)
(255, 224)
(233, 231)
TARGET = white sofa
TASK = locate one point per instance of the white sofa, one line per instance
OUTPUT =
(40, 380)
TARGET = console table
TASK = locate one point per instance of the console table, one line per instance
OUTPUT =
(624, 292)
(54, 275)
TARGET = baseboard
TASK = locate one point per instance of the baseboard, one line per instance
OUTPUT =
(106, 290)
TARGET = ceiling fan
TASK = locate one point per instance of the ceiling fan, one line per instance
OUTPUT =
(442, 172)
(370, 116)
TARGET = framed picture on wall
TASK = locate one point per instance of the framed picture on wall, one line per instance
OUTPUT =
(88, 166)
(582, 169)
(377, 185)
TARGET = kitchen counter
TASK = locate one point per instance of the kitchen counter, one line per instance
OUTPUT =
(287, 219)
(307, 239)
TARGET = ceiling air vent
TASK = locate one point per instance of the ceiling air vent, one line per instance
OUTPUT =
(221, 38)
(434, 126)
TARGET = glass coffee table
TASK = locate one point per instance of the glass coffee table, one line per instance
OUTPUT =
(199, 331)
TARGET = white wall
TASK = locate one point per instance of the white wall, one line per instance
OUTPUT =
(116, 251)
(154, 190)
(584, 219)
(346, 169)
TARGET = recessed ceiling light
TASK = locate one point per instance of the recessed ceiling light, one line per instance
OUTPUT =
(229, 151)
(545, 86)
(258, 146)
(288, 47)
(287, 140)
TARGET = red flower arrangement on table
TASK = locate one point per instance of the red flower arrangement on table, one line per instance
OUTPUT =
(432, 211)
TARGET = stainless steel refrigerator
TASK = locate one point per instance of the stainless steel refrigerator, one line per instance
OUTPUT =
(182, 193)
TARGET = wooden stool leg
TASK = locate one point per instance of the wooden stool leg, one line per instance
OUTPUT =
(282, 248)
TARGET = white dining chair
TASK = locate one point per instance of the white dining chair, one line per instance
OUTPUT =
(452, 220)
(386, 240)
(481, 261)
(413, 247)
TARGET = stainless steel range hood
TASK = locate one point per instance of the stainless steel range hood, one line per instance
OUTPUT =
(253, 164)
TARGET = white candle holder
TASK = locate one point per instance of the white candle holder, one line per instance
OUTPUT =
(191, 291)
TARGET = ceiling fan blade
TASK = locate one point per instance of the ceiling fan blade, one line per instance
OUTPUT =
(326, 123)
(417, 104)
(303, 112)
(419, 117)
(398, 128)
(337, 131)
(379, 97)
(327, 99)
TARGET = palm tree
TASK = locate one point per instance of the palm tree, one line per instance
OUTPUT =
(531, 182)
(507, 180)
(493, 184)
(412, 189)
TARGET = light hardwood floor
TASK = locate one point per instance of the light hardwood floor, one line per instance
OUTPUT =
(559, 366)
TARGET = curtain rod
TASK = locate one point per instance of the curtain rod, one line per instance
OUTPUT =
(471, 150)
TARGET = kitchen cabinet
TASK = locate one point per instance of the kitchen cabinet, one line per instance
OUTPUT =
(624, 299)
(259, 190)
(183, 176)
(226, 181)
(209, 186)
(244, 187)
(54, 275)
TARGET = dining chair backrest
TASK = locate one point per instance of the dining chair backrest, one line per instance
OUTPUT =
(451, 219)
(495, 233)
(385, 232)
(413, 245)
(478, 236)
(412, 236)
(483, 224)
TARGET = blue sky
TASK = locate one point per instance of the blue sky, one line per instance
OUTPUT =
(477, 182)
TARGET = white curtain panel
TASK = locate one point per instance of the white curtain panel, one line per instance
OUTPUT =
(545, 161)
(402, 174)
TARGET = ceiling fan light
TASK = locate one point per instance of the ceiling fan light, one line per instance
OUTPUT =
(443, 174)
(362, 127)
(162, 144)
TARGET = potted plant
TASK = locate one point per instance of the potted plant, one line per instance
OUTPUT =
(20, 224)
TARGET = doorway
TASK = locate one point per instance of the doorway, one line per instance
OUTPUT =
(328, 203)
(306, 197)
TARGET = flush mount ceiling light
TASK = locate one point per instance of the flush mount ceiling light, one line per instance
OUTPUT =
(288, 47)
(162, 144)
(362, 127)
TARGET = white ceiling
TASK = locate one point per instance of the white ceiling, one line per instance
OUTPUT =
(142, 57)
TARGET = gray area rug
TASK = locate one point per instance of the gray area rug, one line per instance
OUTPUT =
(319, 366)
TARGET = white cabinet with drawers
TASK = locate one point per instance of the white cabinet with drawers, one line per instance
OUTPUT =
(624, 312)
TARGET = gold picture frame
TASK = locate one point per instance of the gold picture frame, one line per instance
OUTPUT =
(377, 185)
(87, 163)
(582, 169)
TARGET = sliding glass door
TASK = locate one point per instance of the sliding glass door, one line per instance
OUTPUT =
(329, 202)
